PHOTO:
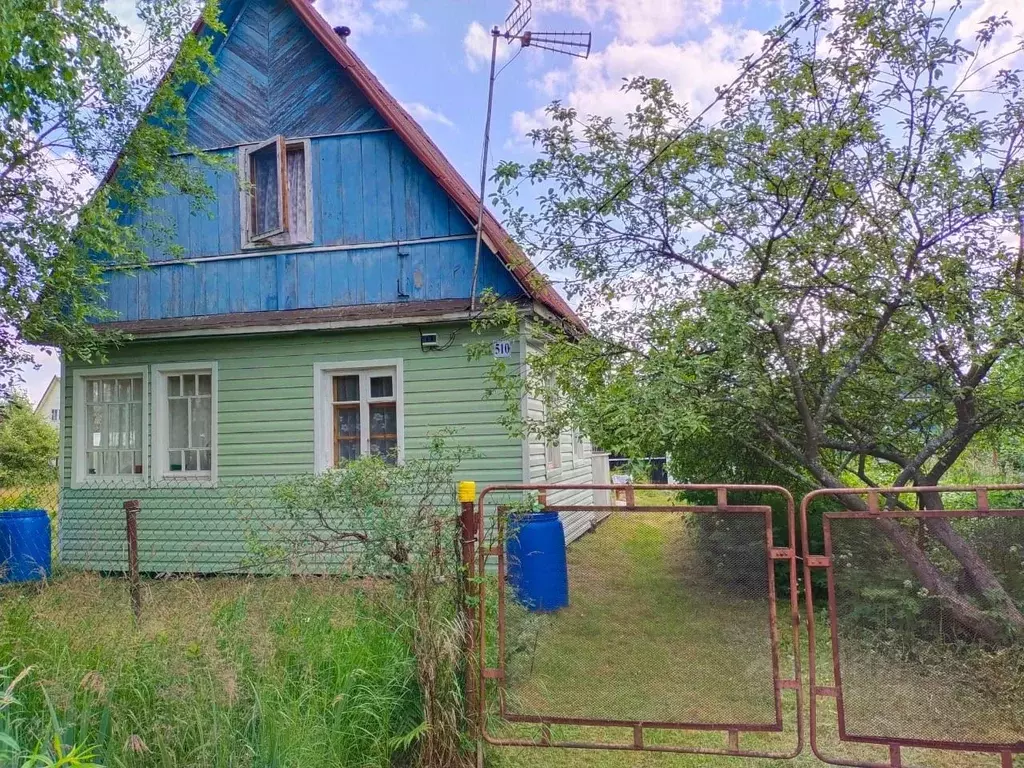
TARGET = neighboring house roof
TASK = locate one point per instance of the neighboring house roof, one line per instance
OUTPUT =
(533, 281)
(54, 384)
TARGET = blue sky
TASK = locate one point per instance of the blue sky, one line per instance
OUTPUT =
(432, 55)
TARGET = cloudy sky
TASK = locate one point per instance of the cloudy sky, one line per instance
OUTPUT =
(433, 55)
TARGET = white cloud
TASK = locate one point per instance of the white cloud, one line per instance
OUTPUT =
(425, 114)
(640, 20)
(126, 12)
(524, 122)
(1006, 42)
(376, 17)
(477, 44)
(693, 68)
(350, 13)
(552, 82)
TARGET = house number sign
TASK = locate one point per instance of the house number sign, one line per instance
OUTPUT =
(502, 348)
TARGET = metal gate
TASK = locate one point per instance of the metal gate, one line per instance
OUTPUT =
(861, 713)
(641, 659)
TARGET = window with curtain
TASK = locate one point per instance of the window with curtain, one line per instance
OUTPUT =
(364, 414)
(185, 421)
(113, 426)
(277, 177)
(189, 422)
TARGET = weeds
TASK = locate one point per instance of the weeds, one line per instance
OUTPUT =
(397, 524)
(232, 672)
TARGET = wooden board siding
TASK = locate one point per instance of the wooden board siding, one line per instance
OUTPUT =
(572, 470)
(367, 189)
(287, 281)
(265, 422)
(274, 77)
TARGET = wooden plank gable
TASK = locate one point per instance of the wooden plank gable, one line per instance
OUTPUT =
(274, 77)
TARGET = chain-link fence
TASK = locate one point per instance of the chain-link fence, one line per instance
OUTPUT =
(265, 524)
(679, 630)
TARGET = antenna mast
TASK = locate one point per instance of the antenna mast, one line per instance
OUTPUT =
(575, 44)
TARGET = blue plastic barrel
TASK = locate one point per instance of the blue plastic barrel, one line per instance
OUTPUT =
(537, 570)
(24, 545)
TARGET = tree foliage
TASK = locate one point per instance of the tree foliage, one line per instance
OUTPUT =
(825, 280)
(77, 85)
(28, 445)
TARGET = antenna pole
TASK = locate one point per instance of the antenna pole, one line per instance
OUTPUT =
(495, 34)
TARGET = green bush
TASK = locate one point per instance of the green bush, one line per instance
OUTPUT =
(395, 522)
(28, 446)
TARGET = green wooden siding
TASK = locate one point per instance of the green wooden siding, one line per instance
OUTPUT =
(265, 428)
(573, 469)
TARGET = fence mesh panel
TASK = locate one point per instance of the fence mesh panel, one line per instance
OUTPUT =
(668, 626)
(669, 616)
(909, 669)
(916, 615)
(662, 626)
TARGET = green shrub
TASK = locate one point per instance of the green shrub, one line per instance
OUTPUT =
(394, 522)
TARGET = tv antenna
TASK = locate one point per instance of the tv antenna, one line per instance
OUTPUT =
(576, 44)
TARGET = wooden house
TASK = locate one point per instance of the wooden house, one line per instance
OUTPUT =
(315, 311)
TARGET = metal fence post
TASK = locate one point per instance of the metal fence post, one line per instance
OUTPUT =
(131, 512)
(467, 537)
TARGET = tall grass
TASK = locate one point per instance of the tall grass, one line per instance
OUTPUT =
(242, 673)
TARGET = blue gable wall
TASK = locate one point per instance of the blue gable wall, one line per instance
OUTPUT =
(369, 190)
(303, 280)
(274, 77)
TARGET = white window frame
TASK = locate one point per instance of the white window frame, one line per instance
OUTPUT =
(553, 453)
(323, 411)
(552, 447)
(579, 447)
(79, 478)
(285, 237)
(161, 471)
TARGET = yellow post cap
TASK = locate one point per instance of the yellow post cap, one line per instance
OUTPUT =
(467, 490)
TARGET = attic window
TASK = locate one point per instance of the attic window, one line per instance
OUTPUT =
(276, 201)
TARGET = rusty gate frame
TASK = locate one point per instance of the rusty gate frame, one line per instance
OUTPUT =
(478, 679)
(825, 561)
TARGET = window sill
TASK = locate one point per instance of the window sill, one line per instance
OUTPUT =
(111, 481)
(175, 480)
(274, 242)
